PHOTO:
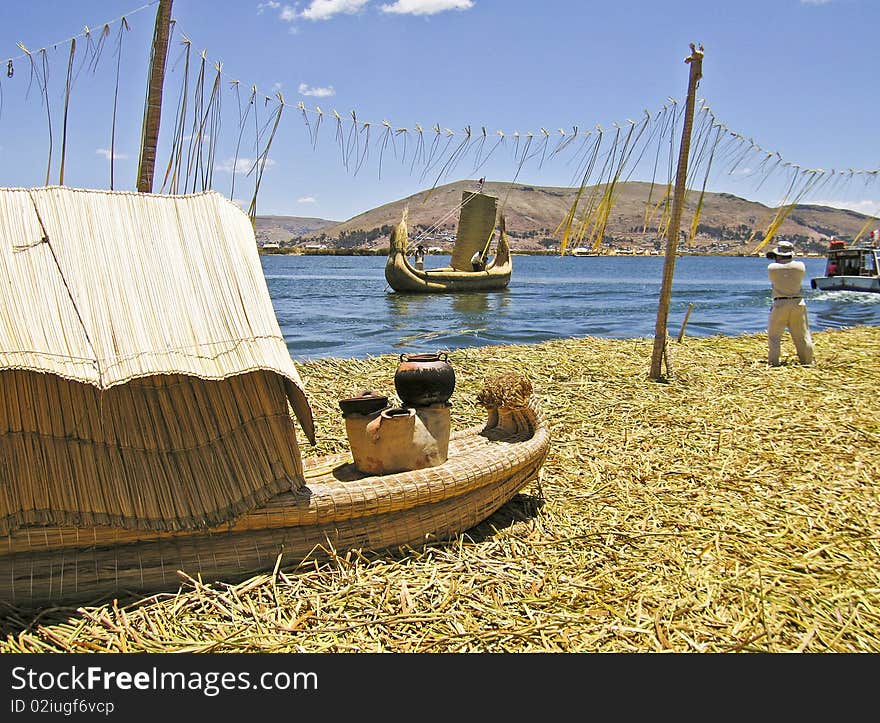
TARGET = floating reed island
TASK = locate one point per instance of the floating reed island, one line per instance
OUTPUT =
(733, 508)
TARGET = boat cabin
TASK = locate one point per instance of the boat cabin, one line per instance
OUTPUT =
(851, 262)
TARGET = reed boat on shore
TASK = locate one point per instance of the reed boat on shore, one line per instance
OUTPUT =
(855, 268)
(150, 412)
(336, 509)
(476, 227)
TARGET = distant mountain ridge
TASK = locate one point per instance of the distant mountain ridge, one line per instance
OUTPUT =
(727, 223)
(280, 229)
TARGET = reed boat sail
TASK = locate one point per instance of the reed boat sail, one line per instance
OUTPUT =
(476, 229)
(152, 419)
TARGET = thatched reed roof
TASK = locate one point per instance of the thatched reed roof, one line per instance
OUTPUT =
(103, 287)
(144, 380)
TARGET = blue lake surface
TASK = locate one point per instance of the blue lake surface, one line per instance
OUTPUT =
(341, 306)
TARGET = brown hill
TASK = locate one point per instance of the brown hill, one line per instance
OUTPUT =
(281, 229)
(728, 224)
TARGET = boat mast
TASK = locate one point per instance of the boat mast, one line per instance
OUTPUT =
(153, 104)
(696, 72)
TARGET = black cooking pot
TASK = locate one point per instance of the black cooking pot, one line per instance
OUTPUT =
(424, 379)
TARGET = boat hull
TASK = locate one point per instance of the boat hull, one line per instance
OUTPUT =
(339, 509)
(404, 278)
(847, 283)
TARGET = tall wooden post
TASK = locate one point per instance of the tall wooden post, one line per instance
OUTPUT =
(153, 105)
(696, 72)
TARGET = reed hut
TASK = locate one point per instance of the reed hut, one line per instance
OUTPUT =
(144, 380)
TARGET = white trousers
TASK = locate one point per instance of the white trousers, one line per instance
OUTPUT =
(789, 314)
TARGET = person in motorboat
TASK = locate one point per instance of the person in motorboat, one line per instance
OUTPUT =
(831, 270)
(788, 310)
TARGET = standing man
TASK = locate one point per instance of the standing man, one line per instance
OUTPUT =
(788, 310)
(419, 257)
(477, 261)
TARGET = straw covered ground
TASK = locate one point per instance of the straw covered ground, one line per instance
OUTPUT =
(734, 507)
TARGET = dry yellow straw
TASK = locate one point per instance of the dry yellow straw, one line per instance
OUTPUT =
(702, 515)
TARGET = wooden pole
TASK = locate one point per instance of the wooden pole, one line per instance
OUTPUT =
(153, 105)
(696, 72)
(684, 323)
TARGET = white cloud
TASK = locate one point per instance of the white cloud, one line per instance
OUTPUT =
(306, 89)
(242, 165)
(815, 2)
(425, 7)
(307, 199)
(106, 153)
(286, 13)
(866, 206)
(326, 9)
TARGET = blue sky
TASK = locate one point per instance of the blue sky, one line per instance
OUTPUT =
(798, 77)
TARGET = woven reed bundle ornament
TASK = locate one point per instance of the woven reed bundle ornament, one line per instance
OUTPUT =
(506, 397)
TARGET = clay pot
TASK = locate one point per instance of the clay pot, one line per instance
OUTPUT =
(399, 439)
(368, 402)
(424, 379)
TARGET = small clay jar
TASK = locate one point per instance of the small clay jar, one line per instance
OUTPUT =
(424, 379)
(399, 439)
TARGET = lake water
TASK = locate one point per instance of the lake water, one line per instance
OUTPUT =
(341, 306)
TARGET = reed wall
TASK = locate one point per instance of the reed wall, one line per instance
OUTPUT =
(166, 452)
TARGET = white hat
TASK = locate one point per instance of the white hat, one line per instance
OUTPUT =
(784, 248)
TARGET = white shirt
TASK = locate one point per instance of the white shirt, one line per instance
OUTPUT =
(786, 279)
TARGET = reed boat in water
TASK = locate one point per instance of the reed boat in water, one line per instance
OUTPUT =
(151, 415)
(855, 268)
(476, 227)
